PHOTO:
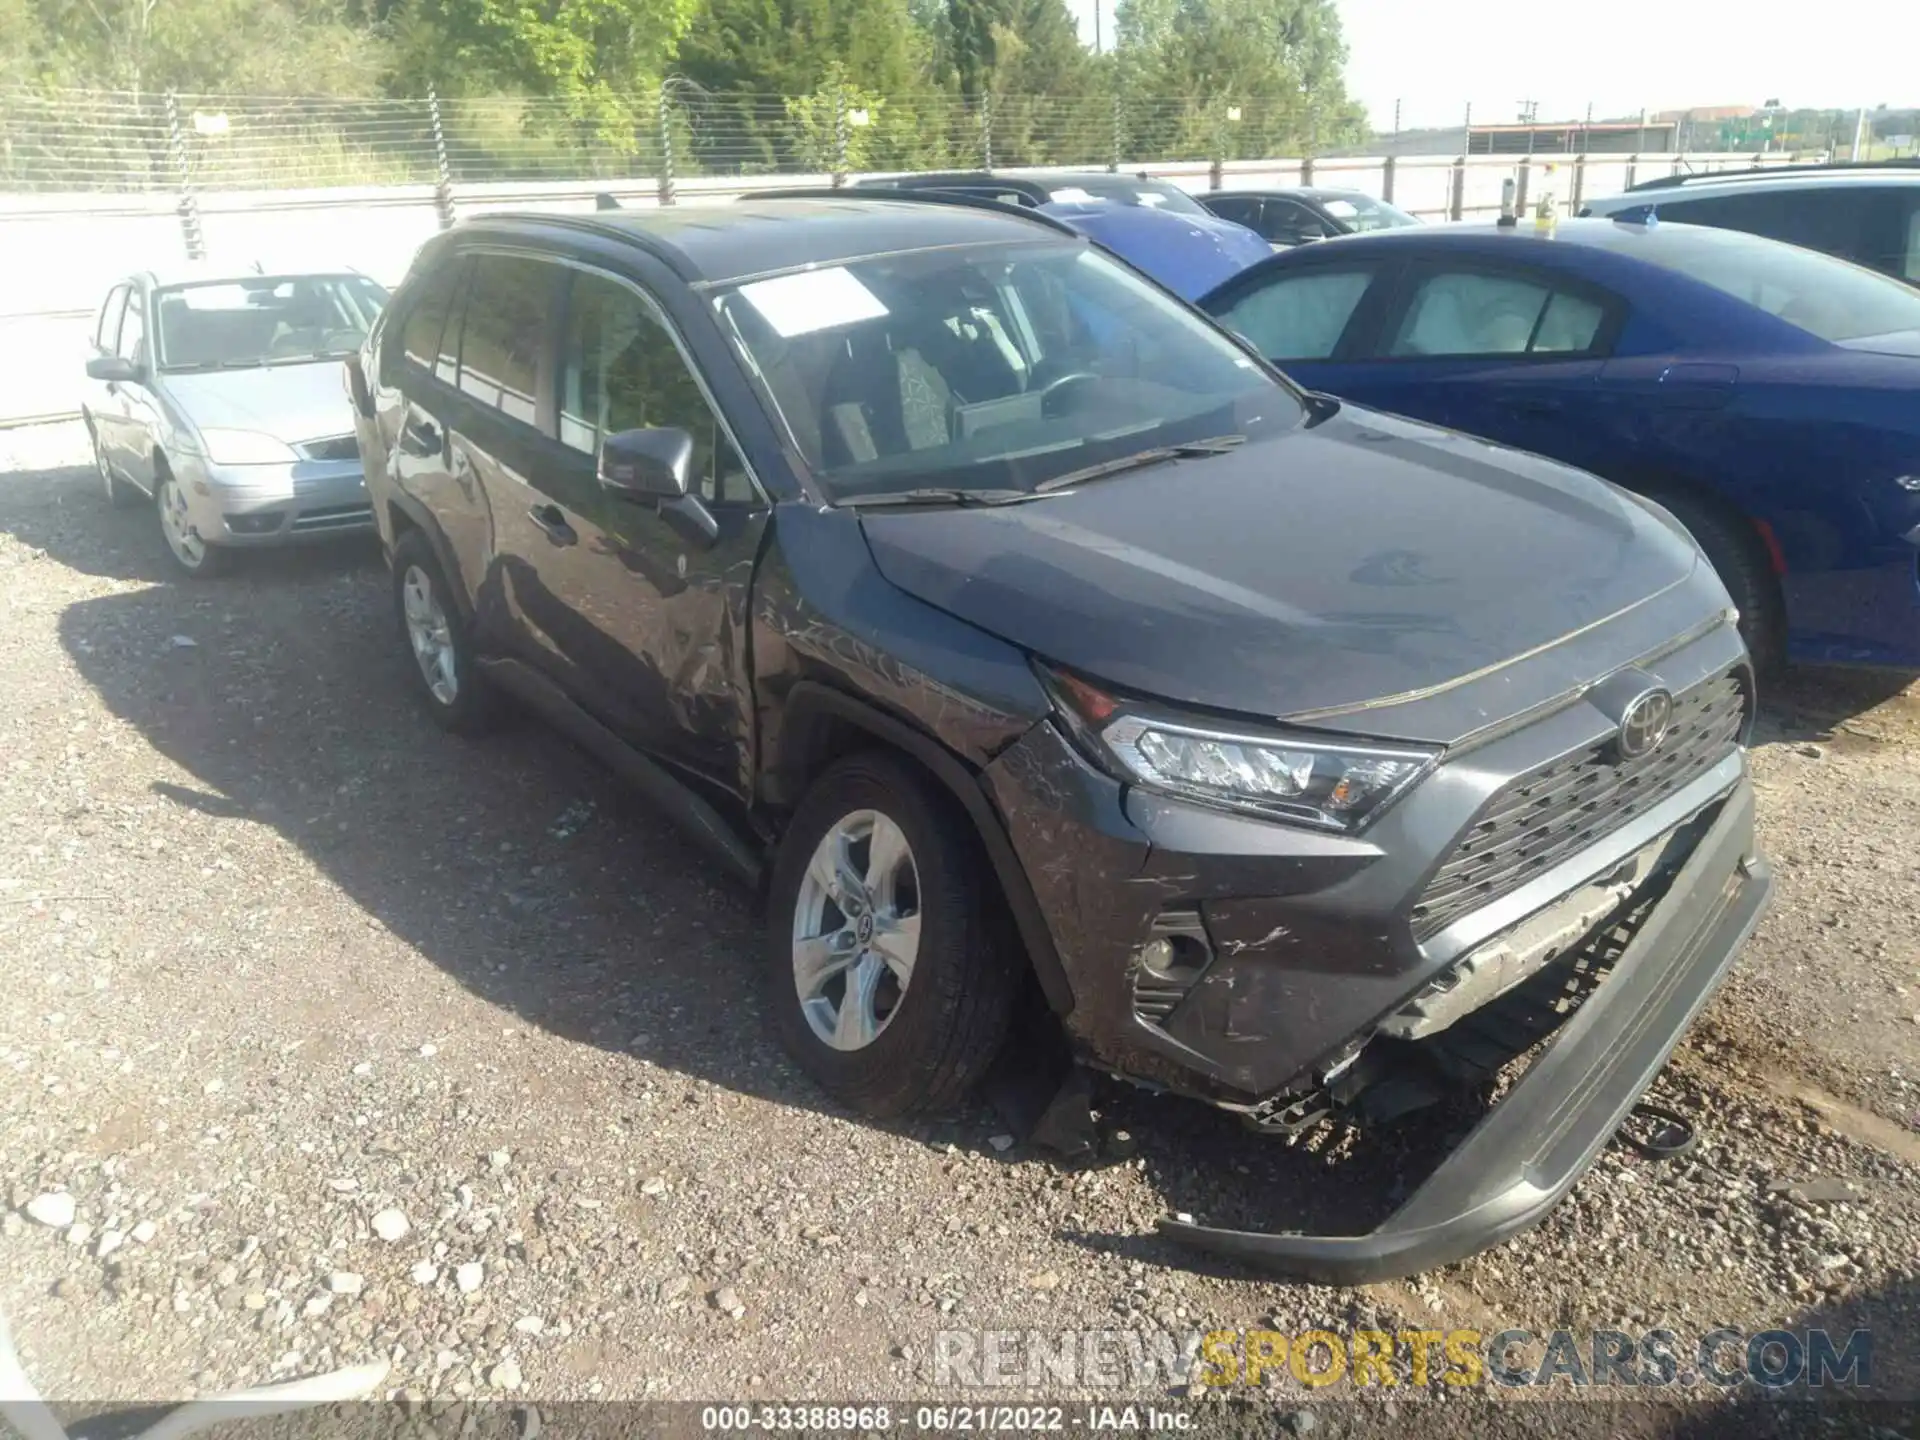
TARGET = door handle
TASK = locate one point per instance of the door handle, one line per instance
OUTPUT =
(553, 521)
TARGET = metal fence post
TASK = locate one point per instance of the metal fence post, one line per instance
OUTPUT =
(839, 136)
(189, 207)
(1386, 178)
(1113, 162)
(666, 148)
(986, 130)
(1579, 181)
(442, 168)
(1520, 188)
(1457, 201)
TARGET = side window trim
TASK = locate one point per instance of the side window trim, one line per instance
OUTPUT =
(659, 314)
(1613, 312)
(111, 314)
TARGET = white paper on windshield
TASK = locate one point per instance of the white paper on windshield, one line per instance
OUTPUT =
(813, 300)
(1071, 195)
(1345, 209)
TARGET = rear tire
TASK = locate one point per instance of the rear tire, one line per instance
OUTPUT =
(1734, 548)
(439, 645)
(878, 856)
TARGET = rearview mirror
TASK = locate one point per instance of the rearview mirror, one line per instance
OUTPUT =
(114, 369)
(647, 464)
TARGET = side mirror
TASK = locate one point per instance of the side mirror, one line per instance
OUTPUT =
(114, 369)
(647, 465)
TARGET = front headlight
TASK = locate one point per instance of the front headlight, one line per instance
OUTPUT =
(1319, 780)
(245, 447)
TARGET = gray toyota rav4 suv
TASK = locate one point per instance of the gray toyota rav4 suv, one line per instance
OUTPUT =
(1030, 642)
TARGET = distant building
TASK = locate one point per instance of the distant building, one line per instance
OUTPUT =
(1575, 137)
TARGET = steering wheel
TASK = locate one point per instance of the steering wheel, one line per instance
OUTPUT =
(1060, 382)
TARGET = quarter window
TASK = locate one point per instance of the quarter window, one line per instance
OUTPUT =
(505, 338)
(1300, 317)
(622, 371)
(1463, 313)
(107, 333)
(133, 330)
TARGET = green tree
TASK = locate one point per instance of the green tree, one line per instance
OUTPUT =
(1186, 65)
(751, 56)
(602, 60)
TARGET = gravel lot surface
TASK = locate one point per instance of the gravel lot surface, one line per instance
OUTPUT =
(328, 1037)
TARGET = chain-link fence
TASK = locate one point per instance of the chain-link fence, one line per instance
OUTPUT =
(68, 140)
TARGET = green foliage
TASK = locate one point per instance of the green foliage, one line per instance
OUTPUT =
(548, 87)
(1193, 62)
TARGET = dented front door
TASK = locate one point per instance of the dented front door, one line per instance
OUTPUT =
(664, 640)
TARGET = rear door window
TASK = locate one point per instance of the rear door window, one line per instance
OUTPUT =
(1907, 261)
(1834, 219)
(1240, 209)
(1482, 313)
(1300, 315)
(505, 344)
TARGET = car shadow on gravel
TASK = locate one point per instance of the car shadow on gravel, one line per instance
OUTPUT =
(62, 514)
(1816, 702)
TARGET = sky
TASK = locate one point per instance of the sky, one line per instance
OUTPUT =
(1435, 56)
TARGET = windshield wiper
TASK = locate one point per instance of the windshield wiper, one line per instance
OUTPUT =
(937, 496)
(1140, 459)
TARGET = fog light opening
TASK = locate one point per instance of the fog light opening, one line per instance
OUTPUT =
(1178, 958)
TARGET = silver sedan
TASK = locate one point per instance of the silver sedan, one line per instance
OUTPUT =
(218, 398)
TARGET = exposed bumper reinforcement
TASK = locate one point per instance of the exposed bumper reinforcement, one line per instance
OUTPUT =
(1530, 1149)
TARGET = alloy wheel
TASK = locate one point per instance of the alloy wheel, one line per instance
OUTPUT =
(430, 635)
(856, 930)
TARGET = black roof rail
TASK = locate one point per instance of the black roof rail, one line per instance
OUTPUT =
(920, 183)
(1768, 172)
(911, 196)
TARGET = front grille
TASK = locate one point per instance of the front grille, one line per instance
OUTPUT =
(1555, 812)
(334, 447)
(334, 517)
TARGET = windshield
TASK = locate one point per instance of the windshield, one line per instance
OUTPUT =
(1831, 298)
(989, 369)
(1361, 213)
(274, 320)
(1123, 190)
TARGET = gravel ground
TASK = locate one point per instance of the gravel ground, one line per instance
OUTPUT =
(330, 1037)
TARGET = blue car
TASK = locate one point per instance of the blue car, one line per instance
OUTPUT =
(1190, 254)
(1767, 396)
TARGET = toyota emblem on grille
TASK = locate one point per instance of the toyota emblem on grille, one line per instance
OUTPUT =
(1643, 724)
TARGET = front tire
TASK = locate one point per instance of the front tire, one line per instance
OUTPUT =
(438, 643)
(199, 558)
(891, 962)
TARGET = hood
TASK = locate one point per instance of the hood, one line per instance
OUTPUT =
(292, 403)
(1355, 561)
(1189, 254)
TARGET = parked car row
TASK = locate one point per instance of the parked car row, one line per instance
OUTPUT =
(1034, 644)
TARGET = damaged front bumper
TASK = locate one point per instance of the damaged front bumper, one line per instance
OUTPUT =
(1527, 1153)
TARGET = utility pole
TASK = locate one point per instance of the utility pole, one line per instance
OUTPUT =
(1859, 125)
(1096, 27)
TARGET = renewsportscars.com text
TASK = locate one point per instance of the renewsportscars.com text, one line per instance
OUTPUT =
(1723, 1357)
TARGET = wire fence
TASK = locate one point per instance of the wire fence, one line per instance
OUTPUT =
(70, 140)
